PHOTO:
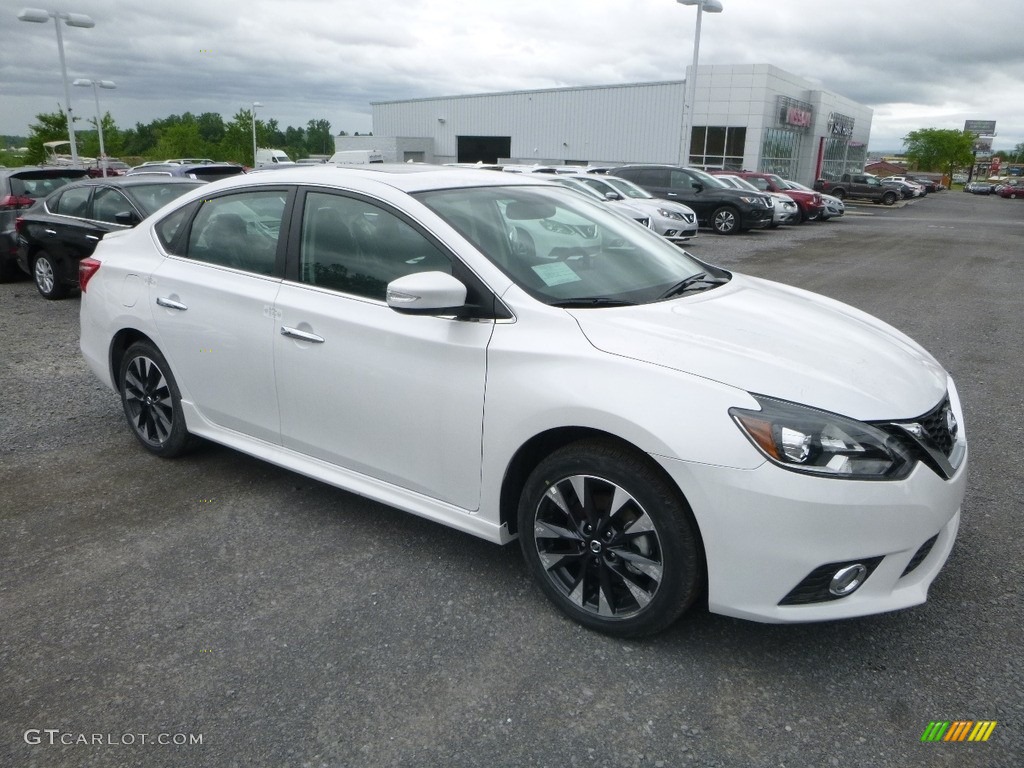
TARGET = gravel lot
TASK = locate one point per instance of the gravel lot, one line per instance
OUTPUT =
(286, 623)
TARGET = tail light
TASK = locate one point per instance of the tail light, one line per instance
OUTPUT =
(86, 269)
(19, 225)
(13, 202)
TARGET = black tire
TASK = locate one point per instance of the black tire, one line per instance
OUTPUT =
(628, 571)
(152, 402)
(889, 198)
(725, 220)
(46, 275)
(840, 193)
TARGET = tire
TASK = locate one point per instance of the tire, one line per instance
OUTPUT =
(152, 402)
(46, 276)
(725, 220)
(840, 193)
(889, 198)
(625, 571)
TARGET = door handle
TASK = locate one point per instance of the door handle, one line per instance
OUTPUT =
(50, 231)
(170, 303)
(92, 237)
(295, 333)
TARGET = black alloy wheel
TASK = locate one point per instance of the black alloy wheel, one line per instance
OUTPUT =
(609, 539)
(152, 402)
(47, 278)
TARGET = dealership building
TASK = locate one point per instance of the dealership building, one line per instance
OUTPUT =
(753, 117)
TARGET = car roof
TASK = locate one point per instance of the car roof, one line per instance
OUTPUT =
(137, 180)
(406, 177)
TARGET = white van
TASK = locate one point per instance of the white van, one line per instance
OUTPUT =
(272, 158)
(356, 157)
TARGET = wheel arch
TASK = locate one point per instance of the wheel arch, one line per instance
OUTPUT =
(122, 340)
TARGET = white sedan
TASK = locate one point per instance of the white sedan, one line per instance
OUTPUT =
(504, 356)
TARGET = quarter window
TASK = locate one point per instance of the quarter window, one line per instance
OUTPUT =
(74, 202)
(356, 247)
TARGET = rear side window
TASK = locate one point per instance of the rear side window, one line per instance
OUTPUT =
(107, 203)
(239, 231)
(653, 177)
(73, 202)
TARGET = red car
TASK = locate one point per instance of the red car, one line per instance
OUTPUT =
(1012, 189)
(810, 203)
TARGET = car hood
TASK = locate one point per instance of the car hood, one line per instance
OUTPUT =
(653, 204)
(779, 341)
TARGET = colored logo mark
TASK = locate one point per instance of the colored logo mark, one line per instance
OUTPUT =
(958, 730)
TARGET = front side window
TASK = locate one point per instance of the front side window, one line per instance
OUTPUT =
(239, 231)
(357, 247)
(562, 248)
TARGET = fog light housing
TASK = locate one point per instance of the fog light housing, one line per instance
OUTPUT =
(848, 580)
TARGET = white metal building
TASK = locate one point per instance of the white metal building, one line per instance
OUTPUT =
(753, 117)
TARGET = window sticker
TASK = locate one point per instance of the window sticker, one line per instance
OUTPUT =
(556, 273)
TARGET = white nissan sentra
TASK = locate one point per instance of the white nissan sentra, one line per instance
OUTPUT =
(503, 356)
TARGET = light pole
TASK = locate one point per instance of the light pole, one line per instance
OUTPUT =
(40, 16)
(254, 105)
(711, 6)
(96, 85)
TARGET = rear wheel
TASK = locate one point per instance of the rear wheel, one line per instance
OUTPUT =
(47, 278)
(840, 193)
(725, 221)
(609, 540)
(889, 198)
(152, 402)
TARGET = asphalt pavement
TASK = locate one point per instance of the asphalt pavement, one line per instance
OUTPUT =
(218, 611)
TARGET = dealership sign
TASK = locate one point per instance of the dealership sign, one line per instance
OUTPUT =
(840, 125)
(795, 114)
(980, 127)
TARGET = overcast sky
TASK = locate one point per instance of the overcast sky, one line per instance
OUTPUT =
(918, 63)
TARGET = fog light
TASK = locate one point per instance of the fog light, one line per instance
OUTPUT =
(847, 580)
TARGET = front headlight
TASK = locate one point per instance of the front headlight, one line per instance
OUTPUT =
(821, 443)
(670, 214)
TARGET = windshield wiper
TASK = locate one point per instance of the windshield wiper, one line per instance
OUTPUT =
(693, 282)
(592, 301)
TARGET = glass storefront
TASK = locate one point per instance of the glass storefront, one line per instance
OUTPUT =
(713, 146)
(780, 152)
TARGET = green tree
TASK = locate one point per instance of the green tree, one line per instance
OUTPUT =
(938, 149)
(181, 140)
(113, 139)
(236, 146)
(319, 139)
(49, 126)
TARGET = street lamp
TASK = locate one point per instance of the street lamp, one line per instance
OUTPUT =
(96, 85)
(711, 6)
(254, 105)
(40, 16)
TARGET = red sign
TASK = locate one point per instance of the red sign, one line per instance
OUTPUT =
(995, 164)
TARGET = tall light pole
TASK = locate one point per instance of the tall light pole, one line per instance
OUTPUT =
(40, 16)
(711, 6)
(96, 85)
(254, 105)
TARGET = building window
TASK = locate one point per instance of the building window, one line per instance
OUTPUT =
(842, 156)
(717, 147)
(780, 152)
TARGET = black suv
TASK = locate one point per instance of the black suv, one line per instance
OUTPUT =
(19, 189)
(724, 209)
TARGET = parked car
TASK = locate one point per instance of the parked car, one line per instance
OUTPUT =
(834, 207)
(861, 186)
(201, 171)
(114, 167)
(55, 234)
(809, 201)
(917, 189)
(19, 189)
(786, 209)
(619, 205)
(671, 220)
(1012, 189)
(652, 428)
(905, 189)
(930, 185)
(725, 210)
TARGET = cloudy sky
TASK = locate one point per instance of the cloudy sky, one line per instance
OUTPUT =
(918, 63)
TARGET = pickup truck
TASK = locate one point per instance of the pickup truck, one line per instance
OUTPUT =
(858, 185)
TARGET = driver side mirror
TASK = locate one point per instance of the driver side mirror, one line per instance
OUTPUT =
(426, 293)
(127, 218)
(612, 196)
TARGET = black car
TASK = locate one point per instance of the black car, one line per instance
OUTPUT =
(724, 209)
(19, 189)
(58, 232)
(204, 171)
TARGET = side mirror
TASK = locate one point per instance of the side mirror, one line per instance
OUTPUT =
(698, 186)
(127, 218)
(426, 293)
(612, 196)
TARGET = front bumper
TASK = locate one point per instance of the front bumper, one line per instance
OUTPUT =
(766, 530)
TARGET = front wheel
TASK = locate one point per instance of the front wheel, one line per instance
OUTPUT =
(725, 221)
(609, 540)
(152, 402)
(840, 193)
(47, 278)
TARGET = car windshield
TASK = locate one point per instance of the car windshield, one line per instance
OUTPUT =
(628, 188)
(738, 182)
(707, 179)
(153, 197)
(565, 250)
(795, 185)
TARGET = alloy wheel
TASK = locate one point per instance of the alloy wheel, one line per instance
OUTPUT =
(148, 401)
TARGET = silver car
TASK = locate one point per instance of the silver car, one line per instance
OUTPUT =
(673, 221)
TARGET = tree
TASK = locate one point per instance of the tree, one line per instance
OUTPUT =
(49, 126)
(939, 149)
(113, 139)
(319, 140)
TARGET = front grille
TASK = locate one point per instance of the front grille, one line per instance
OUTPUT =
(813, 588)
(935, 424)
(920, 555)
